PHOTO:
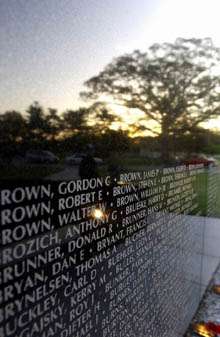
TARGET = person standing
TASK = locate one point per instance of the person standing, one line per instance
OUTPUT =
(88, 167)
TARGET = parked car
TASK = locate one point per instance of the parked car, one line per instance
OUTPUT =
(76, 159)
(40, 157)
(200, 159)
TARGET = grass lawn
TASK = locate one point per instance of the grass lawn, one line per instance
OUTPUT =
(139, 164)
(201, 189)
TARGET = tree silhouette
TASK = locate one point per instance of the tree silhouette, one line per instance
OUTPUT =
(53, 124)
(37, 123)
(75, 120)
(12, 127)
(174, 84)
(102, 117)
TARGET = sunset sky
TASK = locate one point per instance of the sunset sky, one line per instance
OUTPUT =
(48, 48)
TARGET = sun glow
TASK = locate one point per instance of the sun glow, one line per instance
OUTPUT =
(98, 214)
(213, 124)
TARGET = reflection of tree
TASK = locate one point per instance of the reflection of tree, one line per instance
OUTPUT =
(36, 120)
(12, 127)
(113, 141)
(173, 84)
(75, 120)
(39, 125)
(199, 140)
(74, 129)
(42, 125)
(53, 124)
(67, 132)
(102, 117)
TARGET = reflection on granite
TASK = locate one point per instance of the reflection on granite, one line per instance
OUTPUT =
(209, 309)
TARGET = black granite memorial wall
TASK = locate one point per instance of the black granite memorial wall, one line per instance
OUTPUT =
(109, 167)
(102, 257)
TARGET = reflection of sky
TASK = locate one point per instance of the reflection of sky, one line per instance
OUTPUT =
(49, 48)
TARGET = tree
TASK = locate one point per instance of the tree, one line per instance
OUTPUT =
(102, 117)
(13, 130)
(174, 84)
(75, 120)
(37, 123)
(12, 127)
(53, 123)
(114, 141)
